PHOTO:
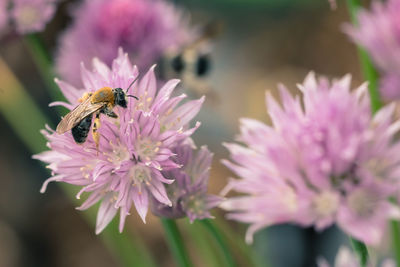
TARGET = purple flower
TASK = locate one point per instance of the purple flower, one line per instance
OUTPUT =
(135, 149)
(329, 162)
(379, 33)
(143, 28)
(189, 192)
(32, 15)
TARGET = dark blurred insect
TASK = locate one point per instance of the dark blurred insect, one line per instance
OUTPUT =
(192, 62)
(79, 120)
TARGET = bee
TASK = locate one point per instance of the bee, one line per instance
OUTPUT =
(79, 120)
(192, 63)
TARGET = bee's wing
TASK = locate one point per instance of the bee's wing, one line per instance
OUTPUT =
(77, 114)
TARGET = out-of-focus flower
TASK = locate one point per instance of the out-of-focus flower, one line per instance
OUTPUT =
(188, 193)
(135, 149)
(379, 33)
(329, 162)
(347, 258)
(29, 15)
(143, 28)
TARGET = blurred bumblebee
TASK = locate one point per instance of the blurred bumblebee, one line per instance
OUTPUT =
(191, 63)
(79, 120)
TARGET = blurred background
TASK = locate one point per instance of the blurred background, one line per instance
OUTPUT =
(263, 42)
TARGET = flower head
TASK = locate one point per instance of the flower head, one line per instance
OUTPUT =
(379, 33)
(32, 15)
(329, 162)
(135, 149)
(189, 193)
(143, 28)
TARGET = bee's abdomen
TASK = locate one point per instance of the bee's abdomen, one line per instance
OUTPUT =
(81, 131)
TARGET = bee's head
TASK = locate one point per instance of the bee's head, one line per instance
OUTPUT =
(194, 61)
(119, 96)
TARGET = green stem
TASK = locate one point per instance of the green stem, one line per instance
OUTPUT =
(20, 111)
(43, 63)
(202, 240)
(26, 119)
(240, 247)
(175, 242)
(213, 230)
(396, 240)
(370, 73)
(361, 249)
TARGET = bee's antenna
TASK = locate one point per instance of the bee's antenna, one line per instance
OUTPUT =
(135, 97)
(132, 84)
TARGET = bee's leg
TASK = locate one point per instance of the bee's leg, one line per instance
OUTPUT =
(109, 112)
(95, 134)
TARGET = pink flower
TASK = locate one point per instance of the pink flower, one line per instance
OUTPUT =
(329, 162)
(135, 149)
(143, 28)
(189, 193)
(32, 15)
(379, 33)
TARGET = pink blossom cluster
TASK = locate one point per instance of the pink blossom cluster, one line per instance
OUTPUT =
(324, 160)
(27, 15)
(142, 154)
(145, 29)
(378, 31)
